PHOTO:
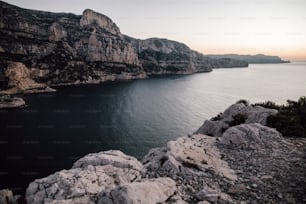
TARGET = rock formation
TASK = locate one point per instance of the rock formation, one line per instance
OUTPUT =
(162, 56)
(247, 163)
(63, 48)
(7, 101)
(248, 114)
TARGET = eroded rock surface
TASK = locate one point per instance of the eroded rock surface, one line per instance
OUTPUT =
(20, 80)
(112, 157)
(192, 162)
(149, 191)
(248, 163)
(250, 114)
(85, 181)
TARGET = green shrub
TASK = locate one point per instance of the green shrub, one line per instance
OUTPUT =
(238, 119)
(290, 119)
(268, 104)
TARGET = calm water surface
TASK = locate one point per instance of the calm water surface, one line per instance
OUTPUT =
(56, 129)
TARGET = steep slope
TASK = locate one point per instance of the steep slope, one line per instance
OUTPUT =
(162, 56)
(65, 48)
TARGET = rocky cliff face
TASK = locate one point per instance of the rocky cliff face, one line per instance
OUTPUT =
(162, 56)
(63, 48)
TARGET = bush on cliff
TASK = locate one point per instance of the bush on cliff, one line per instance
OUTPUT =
(238, 119)
(269, 104)
(290, 119)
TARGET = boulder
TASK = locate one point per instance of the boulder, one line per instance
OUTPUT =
(231, 111)
(112, 157)
(259, 114)
(251, 136)
(6, 196)
(213, 128)
(148, 191)
(90, 175)
(188, 156)
(252, 114)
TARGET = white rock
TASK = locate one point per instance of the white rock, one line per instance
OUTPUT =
(253, 136)
(187, 156)
(149, 191)
(79, 182)
(6, 196)
(233, 110)
(256, 114)
(213, 128)
(112, 157)
(259, 114)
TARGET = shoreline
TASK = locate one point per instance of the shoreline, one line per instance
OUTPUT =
(196, 168)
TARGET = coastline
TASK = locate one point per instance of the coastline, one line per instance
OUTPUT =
(223, 162)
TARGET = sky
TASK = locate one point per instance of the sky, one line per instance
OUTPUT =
(273, 27)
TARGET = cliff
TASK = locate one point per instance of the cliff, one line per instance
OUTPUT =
(251, 59)
(61, 48)
(64, 48)
(245, 162)
(162, 56)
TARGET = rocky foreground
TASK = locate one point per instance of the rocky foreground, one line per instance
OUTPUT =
(223, 162)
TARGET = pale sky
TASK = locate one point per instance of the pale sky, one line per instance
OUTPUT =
(274, 27)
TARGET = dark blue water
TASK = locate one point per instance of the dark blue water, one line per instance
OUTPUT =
(56, 129)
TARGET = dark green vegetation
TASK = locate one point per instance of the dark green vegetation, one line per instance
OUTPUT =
(290, 119)
(238, 119)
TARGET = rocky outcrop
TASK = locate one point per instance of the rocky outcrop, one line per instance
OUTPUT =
(90, 17)
(63, 49)
(192, 162)
(251, 136)
(115, 158)
(162, 56)
(248, 162)
(157, 190)
(6, 196)
(90, 176)
(8, 101)
(20, 80)
(236, 113)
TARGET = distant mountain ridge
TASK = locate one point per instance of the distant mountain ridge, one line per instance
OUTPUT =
(251, 59)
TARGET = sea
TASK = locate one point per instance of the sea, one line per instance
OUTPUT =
(56, 129)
